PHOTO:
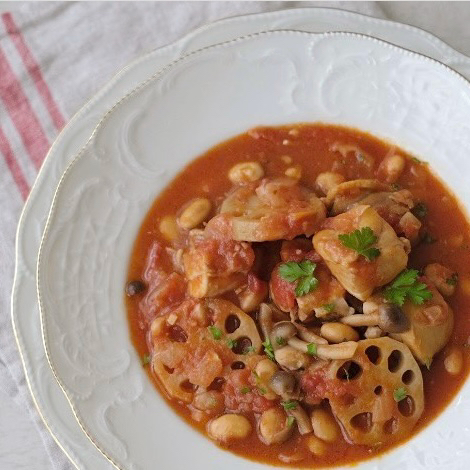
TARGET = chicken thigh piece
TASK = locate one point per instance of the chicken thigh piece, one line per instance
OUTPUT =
(273, 209)
(358, 274)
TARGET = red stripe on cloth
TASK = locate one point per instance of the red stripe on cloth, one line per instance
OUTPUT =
(33, 69)
(21, 113)
(12, 164)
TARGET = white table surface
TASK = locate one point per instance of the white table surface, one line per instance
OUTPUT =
(20, 444)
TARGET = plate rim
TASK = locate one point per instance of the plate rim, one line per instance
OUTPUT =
(154, 78)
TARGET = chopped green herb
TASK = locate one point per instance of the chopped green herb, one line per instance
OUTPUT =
(280, 341)
(399, 394)
(452, 280)
(248, 350)
(146, 359)
(328, 307)
(262, 390)
(231, 343)
(215, 332)
(420, 210)
(417, 160)
(268, 349)
(255, 375)
(361, 241)
(406, 285)
(312, 349)
(289, 405)
(429, 239)
(245, 390)
(290, 421)
(302, 273)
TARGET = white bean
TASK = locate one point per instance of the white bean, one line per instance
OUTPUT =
(338, 332)
(273, 426)
(324, 425)
(245, 172)
(453, 362)
(195, 213)
(169, 227)
(265, 369)
(316, 446)
(229, 426)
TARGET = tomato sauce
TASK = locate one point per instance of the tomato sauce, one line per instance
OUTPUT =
(310, 147)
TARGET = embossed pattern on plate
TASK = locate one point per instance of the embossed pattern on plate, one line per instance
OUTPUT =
(405, 98)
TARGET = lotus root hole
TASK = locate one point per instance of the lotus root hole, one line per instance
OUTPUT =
(237, 365)
(395, 360)
(177, 334)
(374, 354)
(378, 390)
(350, 370)
(232, 323)
(390, 426)
(242, 345)
(168, 369)
(362, 422)
(188, 386)
(216, 384)
(406, 406)
(408, 377)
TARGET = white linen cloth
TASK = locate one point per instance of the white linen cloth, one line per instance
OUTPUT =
(55, 55)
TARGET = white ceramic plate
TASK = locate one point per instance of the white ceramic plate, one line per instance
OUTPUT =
(47, 395)
(418, 103)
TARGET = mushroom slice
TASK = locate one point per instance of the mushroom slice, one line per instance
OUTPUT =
(431, 326)
(274, 209)
(358, 275)
(385, 393)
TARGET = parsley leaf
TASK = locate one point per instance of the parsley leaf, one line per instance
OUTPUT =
(361, 241)
(262, 390)
(280, 341)
(328, 307)
(146, 359)
(231, 343)
(399, 394)
(248, 350)
(289, 405)
(245, 390)
(215, 332)
(420, 210)
(406, 285)
(302, 273)
(312, 349)
(290, 421)
(268, 349)
(452, 280)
